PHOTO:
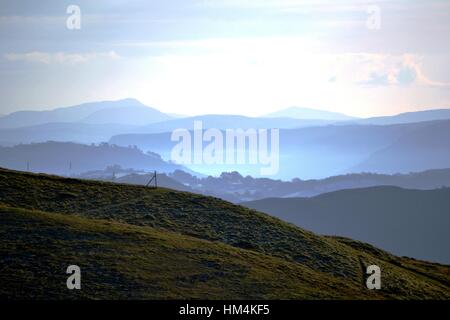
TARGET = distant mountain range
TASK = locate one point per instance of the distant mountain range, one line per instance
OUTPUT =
(405, 222)
(132, 112)
(96, 122)
(309, 148)
(307, 113)
(323, 151)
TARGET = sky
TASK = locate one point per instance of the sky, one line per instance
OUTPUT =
(249, 57)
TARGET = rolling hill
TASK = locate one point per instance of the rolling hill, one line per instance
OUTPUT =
(424, 148)
(307, 113)
(220, 121)
(405, 222)
(132, 242)
(65, 158)
(138, 115)
(63, 132)
(408, 117)
(234, 187)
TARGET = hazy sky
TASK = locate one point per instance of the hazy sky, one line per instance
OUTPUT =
(227, 56)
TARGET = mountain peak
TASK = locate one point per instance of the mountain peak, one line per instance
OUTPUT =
(128, 102)
(127, 111)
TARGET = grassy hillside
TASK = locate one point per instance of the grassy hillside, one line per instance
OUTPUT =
(135, 242)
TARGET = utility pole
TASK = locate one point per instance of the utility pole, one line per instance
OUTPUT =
(154, 177)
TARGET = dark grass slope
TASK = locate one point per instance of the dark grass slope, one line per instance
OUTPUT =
(135, 242)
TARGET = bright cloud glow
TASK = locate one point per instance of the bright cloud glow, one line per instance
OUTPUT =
(247, 57)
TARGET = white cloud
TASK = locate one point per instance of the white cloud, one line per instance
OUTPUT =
(60, 57)
(414, 64)
(392, 70)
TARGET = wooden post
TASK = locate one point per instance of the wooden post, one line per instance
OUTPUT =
(151, 180)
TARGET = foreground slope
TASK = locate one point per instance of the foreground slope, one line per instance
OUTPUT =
(124, 261)
(135, 242)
